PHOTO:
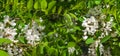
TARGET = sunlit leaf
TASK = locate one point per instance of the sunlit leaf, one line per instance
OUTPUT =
(30, 4)
(73, 15)
(54, 9)
(22, 39)
(74, 37)
(97, 2)
(60, 9)
(51, 5)
(3, 53)
(34, 51)
(105, 39)
(119, 44)
(36, 5)
(41, 49)
(43, 4)
(106, 1)
(89, 41)
(51, 33)
(5, 41)
(71, 44)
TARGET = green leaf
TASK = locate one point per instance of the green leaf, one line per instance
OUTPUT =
(51, 33)
(64, 53)
(27, 54)
(74, 37)
(45, 43)
(43, 4)
(77, 28)
(98, 51)
(52, 50)
(51, 5)
(36, 5)
(89, 41)
(56, 52)
(68, 17)
(30, 4)
(105, 39)
(71, 44)
(34, 51)
(106, 1)
(15, 4)
(22, 39)
(73, 15)
(80, 19)
(80, 5)
(5, 41)
(97, 2)
(54, 9)
(60, 9)
(3, 53)
(119, 44)
(41, 49)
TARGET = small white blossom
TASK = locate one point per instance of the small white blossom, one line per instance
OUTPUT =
(13, 50)
(107, 6)
(85, 37)
(107, 27)
(97, 42)
(101, 49)
(71, 50)
(10, 33)
(1, 26)
(32, 36)
(12, 23)
(41, 20)
(90, 24)
(6, 19)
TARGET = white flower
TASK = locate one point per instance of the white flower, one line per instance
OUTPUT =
(71, 50)
(101, 48)
(107, 26)
(41, 20)
(12, 23)
(107, 6)
(13, 50)
(41, 28)
(6, 18)
(1, 26)
(85, 37)
(97, 42)
(90, 24)
(10, 33)
(32, 36)
(102, 16)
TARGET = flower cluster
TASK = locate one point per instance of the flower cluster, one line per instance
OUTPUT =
(6, 31)
(91, 25)
(31, 32)
(94, 24)
(13, 50)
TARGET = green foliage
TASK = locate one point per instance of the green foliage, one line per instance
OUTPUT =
(71, 44)
(30, 4)
(60, 18)
(36, 5)
(89, 41)
(3, 53)
(105, 39)
(5, 41)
